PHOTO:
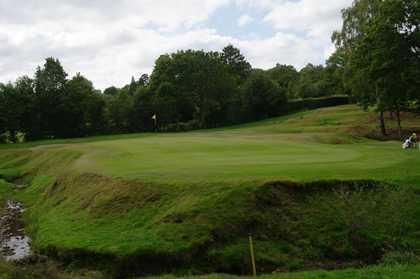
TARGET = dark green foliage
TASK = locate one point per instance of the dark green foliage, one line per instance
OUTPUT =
(286, 77)
(85, 108)
(237, 63)
(314, 103)
(263, 97)
(192, 85)
(314, 82)
(187, 90)
(379, 47)
(9, 112)
(111, 91)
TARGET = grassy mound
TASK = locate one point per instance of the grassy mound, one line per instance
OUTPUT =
(153, 228)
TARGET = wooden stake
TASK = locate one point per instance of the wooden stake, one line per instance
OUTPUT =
(251, 249)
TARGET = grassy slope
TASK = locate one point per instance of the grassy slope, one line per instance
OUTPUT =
(302, 147)
(171, 195)
(305, 146)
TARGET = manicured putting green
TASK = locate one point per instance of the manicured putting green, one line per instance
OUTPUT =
(305, 146)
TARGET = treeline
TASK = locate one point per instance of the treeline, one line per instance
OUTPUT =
(186, 90)
(377, 64)
(378, 55)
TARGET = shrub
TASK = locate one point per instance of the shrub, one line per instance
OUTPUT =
(405, 258)
(181, 126)
(314, 103)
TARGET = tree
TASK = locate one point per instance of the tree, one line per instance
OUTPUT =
(50, 82)
(200, 82)
(263, 97)
(313, 82)
(286, 77)
(9, 113)
(167, 104)
(118, 113)
(111, 91)
(144, 80)
(237, 63)
(83, 108)
(390, 55)
(132, 87)
(24, 90)
(377, 42)
(144, 107)
(335, 73)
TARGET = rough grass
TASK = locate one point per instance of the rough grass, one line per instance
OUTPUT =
(39, 271)
(379, 272)
(147, 229)
(186, 202)
(44, 270)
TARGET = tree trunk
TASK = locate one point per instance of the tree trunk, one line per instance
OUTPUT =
(398, 114)
(391, 115)
(382, 122)
(381, 111)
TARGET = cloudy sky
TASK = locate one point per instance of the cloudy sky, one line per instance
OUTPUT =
(109, 41)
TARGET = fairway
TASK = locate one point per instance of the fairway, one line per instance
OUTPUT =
(307, 146)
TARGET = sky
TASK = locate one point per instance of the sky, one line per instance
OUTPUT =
(110, 41)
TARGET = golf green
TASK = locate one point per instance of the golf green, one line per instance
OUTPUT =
(306, 146)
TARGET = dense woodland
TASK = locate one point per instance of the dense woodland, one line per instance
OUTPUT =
(377, 64)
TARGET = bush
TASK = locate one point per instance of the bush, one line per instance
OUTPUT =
(287, 107)
(314, 103)
(405, 258)
(181, 126)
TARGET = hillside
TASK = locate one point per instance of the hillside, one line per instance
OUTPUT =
(159, 203)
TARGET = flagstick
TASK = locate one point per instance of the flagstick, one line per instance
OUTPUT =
(155, 120)
(154, 117)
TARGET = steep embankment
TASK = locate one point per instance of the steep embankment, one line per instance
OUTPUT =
(144, 229)
(159, 203)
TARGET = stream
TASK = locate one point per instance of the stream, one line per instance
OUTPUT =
(15, 245)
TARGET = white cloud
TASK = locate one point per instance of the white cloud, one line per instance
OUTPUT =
(307, 15)
(244, 20)
(314, 19)
(109, 41)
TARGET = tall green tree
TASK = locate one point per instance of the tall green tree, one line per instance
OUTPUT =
(50, 82)
(83, 108)
(201, 83)
(9, 113)
(286, 77)
(262, 96)
(313, 82)
(24, 90)
(237, 62)
(381, 56)
(335, 73)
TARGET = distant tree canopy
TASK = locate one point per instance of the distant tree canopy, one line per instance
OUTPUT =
(376, 62)
(193, 85)
(186, 90)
